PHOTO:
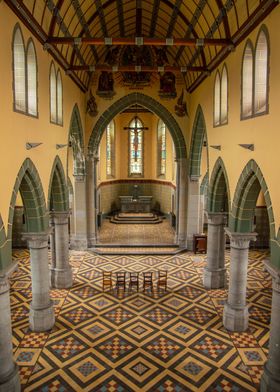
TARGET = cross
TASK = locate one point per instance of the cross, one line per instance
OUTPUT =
(136, 130)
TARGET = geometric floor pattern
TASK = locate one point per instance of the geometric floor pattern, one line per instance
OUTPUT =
(171, 341)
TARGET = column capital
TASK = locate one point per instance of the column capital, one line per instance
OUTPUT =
(4, 284)
(60, 217)
(275, 274)
(216, 218)
(37, 240)
(240, 240)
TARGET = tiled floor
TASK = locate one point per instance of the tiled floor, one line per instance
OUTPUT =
(161, 342)
(161, 233)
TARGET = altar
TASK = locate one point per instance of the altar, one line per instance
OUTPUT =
(140, 204)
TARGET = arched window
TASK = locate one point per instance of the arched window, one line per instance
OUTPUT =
(161, 142)
(136, 148)
(59, 98)
(217, 99)
(56, 96)
(261, 74)
(255, 77)
(53, 93)
(110, 149)
(224, 96)
(19, 71)
(31, 79)
(247, 82)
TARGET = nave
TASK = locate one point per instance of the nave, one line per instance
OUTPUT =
(128, 342)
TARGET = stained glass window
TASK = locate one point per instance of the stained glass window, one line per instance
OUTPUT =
(53, 95)
(136, 148)
(224, 96)
(110, 149)
(161, 148)
(217, 99)
(56, 96)
(59, 98)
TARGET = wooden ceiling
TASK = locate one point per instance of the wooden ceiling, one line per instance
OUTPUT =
(195, 34)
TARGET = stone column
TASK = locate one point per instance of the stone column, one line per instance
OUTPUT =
(9, 377)
(235, 316)
(61, 272)
(270, 381)
(41, 316)
(91, 200)
(193, 221)
(52, 240)
(182, 201)
(79, 238)
(214, 276)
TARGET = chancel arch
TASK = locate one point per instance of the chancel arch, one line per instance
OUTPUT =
(179, 147)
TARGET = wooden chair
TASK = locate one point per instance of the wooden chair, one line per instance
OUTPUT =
(120, 282)
(162, 280)
(107, 280)
(148, 281)
(133, 280)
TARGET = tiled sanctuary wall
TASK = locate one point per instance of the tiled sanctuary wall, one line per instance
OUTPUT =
(109, 195)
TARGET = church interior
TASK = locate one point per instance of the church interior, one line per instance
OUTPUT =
(139, 204)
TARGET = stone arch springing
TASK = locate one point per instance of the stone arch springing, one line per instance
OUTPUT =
(58, 199)
(76, 141)
(29, 185)
(199, 136)
(218, 195)
(147, 102)
(248, 188)
(204, 185)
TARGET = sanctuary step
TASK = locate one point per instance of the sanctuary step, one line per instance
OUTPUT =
(115, 249)
(136, 218)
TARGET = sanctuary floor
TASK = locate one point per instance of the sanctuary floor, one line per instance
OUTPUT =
(161, 342)
(143, 234)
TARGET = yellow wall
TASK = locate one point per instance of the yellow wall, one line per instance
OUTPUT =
(263, 131)
(17, 129)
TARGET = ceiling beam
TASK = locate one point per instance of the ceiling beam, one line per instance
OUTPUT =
(139, 41)
(135, 68)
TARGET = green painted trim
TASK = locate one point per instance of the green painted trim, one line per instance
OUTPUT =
(58, 198)
(219, 193)
(147, 102)
(198, 136)
(76, 139)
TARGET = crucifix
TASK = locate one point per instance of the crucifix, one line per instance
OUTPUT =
(136, 130)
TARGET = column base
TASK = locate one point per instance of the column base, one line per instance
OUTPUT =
(214, 279)
(78, 243)
(235, 320)
(190, 244)
(41, 320)
(269, 382)
(11, 383)
(61, 278)
(91, 242)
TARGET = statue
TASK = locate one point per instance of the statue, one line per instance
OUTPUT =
(106, 85)
(181, 106)
(91, 105)
(167, 86)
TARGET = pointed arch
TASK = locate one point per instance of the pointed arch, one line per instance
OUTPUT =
(250, 183)
(247, 81)
(53, 94)
(219, 194)
(261, 72)
(147, 102)
(224, 96)
(28, 183)
(217, 99)
(76, 141)
(19, 70)
(32, 79)
(58, 198)
(198, 137)
(204, 185)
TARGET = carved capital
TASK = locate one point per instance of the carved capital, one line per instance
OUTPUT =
(37, 240)
(240, 240)
(60, 217)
